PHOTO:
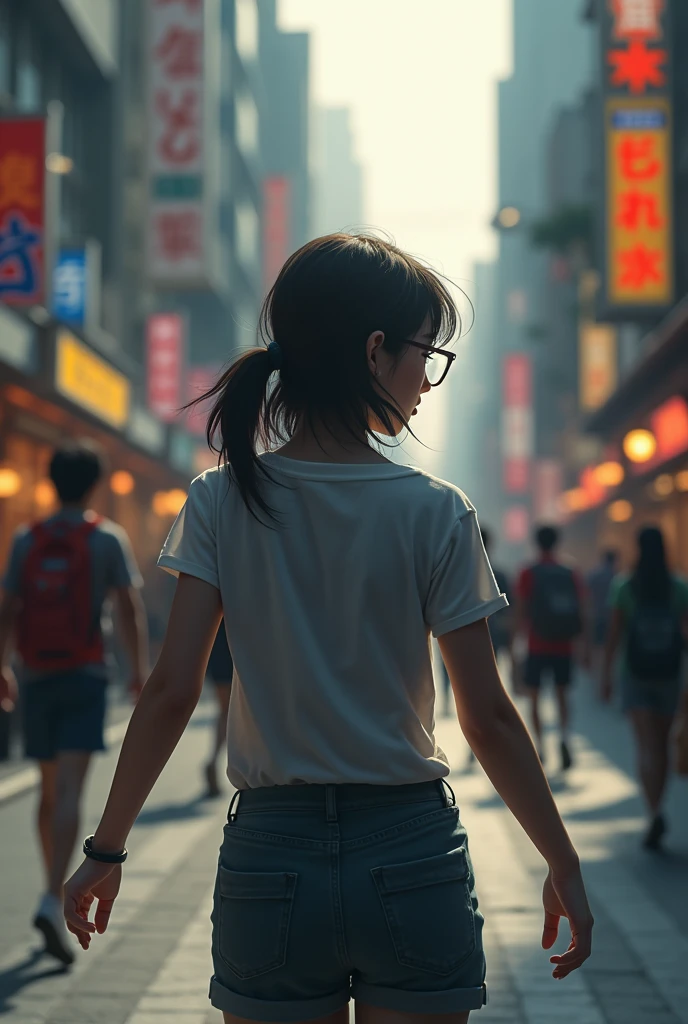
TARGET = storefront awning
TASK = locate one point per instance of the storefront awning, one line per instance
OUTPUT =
(661, 373)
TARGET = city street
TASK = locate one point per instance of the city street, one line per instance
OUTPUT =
(154, 963)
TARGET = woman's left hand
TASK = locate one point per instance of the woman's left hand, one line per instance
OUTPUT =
(92, 881)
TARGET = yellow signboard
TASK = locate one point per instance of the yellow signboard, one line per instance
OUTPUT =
(90, 382)
(639, 202)
(597, 363)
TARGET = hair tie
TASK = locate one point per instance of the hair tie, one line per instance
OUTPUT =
(275, 356)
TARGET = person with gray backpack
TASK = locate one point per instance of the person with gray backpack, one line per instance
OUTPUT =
(550, 610)
(649, 623)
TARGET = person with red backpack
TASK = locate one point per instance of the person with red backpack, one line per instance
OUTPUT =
(59, 578)
(550, 609)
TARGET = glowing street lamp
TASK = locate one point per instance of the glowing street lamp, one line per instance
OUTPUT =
(609, 474)
(639, 445)
(620, 511)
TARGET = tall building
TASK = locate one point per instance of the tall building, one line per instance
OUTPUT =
(338, 186)
(285, 134)
(551, 65)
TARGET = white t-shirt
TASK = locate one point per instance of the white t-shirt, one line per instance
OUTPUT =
(329, 615)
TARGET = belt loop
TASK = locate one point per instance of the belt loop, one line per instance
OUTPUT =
(232, 817)
(453, 803)
(330, 802)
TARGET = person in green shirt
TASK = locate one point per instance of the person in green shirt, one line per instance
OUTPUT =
(649, 622)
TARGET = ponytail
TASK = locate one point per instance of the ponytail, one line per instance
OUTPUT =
(327, 300)
(236, 423)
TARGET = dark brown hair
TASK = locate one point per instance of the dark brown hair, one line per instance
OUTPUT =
(329, 297)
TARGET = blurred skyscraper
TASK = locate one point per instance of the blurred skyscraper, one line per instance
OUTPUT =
(338, 176)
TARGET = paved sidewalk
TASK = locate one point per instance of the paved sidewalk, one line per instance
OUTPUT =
(153, 964)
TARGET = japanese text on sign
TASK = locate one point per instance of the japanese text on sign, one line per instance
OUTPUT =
(176, 243)
(639, 216)
(22, 210)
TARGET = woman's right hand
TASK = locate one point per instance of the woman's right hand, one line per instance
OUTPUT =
(564, 895)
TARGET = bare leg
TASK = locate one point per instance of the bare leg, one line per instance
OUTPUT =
(562, 696)
(46, 811)
(366, 1014)
(72, 767)
(652, 747)
(340, 1017)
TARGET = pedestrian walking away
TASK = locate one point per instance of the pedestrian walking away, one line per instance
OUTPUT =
(649, 624)
(60, 575)
(344, 870)
(220, 670)
(550, 610)
(598, 587)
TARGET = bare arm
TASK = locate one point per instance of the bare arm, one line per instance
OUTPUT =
(9, 606)
(500, 740)
(157, 723)
(134, 626)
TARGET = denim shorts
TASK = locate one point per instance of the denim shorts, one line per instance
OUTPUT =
(328, 892)
(63, 712)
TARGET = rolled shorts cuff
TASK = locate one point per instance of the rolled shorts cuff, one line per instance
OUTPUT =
(276, 1010)
(454, 1000)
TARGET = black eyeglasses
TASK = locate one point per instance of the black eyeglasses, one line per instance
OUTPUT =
(435, 369)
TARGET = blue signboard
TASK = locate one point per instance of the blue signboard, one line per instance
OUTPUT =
(70, 286)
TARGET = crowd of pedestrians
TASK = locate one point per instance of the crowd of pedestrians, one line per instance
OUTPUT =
(327, 622)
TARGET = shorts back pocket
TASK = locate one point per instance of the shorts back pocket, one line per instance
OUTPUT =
(429, 912)
(253, 916)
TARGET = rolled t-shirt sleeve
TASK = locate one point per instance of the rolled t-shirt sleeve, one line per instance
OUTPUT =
(463, 588)
(191, 545)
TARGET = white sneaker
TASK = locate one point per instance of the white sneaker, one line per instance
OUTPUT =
(50, 922)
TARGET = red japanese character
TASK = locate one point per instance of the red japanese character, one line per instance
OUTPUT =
(180, 143)
(181, 52)
(636, 206)
(637, 160)
(179, 234)
(637, 67)
(641, 266)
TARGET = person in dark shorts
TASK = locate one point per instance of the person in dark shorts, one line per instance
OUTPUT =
(78, 559)
(649, 624)
(220, 670)
(550, 611)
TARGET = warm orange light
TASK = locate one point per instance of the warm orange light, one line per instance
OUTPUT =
(664, 485)
(44, 494)
(122, 482)
(681, 480)
(576, 500)
(10, 482)
(620, 511)
(609, 474)
(175, 500)
(168, 503)
(639, 445)
(160, 503)
(670, 427)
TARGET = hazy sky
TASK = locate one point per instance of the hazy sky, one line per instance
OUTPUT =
(420, 80)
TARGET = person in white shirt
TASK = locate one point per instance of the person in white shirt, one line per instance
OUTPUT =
(344, 869)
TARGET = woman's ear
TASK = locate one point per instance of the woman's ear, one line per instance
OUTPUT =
(373, 348)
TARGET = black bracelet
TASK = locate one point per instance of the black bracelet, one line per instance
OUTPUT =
(103, 858)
